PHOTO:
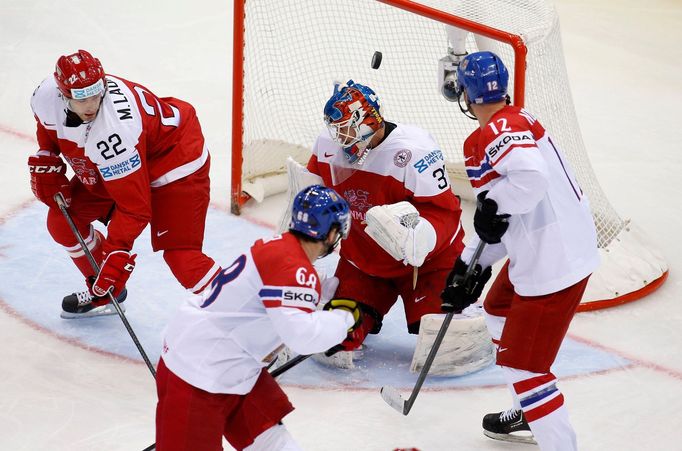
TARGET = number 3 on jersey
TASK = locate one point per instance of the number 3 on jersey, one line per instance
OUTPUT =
(225, 276)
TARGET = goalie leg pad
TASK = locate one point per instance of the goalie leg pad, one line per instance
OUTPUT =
(466, 347)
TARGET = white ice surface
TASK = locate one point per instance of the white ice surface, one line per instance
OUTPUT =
(624, 65)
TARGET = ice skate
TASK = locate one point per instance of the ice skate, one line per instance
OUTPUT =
(80, 305)
(508, 426)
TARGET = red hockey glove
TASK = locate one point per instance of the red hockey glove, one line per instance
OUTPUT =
(114, 273)
(369, 322)
(48, 178)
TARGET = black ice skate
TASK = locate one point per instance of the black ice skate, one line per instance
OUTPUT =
(508, 426)
(79, 305)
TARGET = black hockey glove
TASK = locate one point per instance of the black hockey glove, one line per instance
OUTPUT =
(488, 224)
(458, 293)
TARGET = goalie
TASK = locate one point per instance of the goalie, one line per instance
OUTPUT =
(406, 231)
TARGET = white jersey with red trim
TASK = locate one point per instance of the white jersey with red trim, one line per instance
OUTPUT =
(136, 141)
(551, 240)
(267, 297)
(407, 166)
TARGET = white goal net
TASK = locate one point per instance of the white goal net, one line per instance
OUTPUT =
(293, 51)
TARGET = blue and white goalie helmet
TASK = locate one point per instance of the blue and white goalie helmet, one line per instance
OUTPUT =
(316, 209)
(483, 77)
(353, 116)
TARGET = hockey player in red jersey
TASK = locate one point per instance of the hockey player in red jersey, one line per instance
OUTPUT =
(531, 209)
(212, 380)
(138, 159)
(404, 239)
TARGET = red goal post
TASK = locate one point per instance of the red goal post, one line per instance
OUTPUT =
(287, 54)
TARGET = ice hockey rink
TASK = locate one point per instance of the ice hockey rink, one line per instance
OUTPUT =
(80, 385)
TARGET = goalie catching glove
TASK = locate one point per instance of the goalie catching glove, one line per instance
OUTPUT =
(460, 291)
(401, 232)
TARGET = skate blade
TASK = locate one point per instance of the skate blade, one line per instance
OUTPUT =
(103, 310)
(511, 437)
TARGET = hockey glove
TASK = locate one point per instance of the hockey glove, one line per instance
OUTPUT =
(488, 224)
(48, 178)
(348, 305)
(459, 293)
(370, 322)
(114, 273)
(401, 232)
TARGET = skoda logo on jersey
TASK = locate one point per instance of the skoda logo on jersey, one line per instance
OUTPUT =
(88, 91)
(299, 296)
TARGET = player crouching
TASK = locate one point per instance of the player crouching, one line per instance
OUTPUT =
(212, 379)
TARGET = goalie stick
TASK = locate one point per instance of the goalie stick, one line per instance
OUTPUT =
(62, 206)
(390, 394)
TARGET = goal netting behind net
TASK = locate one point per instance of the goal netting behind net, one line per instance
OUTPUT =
(294, 50)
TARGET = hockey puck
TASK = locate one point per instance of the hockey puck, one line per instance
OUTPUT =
(376, 60)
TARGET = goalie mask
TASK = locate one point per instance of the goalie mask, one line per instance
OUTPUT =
(79, 76)
(316, 210)
(483, 77)
(353, 116)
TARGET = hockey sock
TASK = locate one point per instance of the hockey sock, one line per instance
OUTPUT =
(82, 262)
(543, 407)
(277, 437)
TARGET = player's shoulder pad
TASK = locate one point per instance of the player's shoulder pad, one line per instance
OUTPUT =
(289, 279)
(120, 103)
(280, 259)
(325, 145)
(511, 128)
(44, 99)
(419, 149)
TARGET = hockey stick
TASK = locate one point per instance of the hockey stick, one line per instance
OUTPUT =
(62, 206)
(289, 365)
(392, 397)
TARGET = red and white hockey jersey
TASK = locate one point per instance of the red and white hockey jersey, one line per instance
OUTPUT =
(137, 141)
(219, 342)
(408, 166)
(551, 240)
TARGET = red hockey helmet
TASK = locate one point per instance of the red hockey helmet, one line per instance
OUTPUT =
(79, 75)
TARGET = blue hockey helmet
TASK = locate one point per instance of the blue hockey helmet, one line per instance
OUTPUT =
(316, 209)
(353, 116)
(483, 77)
